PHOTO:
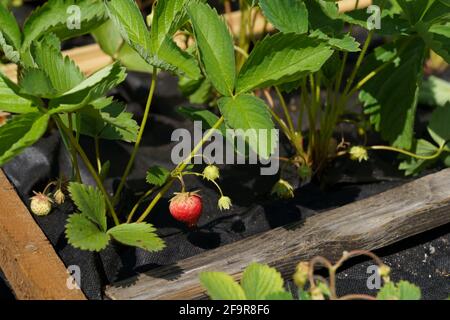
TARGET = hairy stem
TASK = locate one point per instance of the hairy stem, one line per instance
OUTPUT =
(139, 137)
(89, 166)
(408, 153)
(178, 169)
(76, 168)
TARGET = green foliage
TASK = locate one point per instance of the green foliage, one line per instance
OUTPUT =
(84, 234)
(215, 45)
(55, 16)
(394, 114)
(248, 112)
(207, 118)
(400, 291)
(157, 176)
(62, 72)
(259, 282)
(282, 58)
(435, 92)
(89, 90)
(141, 235)
(88, 230)
(105, 119)
(160, 51)
(221, 286)
(20, 132)
(10, 35)
(286, 15)
(12, 102)
(90, 203)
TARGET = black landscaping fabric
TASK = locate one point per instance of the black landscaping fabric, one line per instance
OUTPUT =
(423, 260)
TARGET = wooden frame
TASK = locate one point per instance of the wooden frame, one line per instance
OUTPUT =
(367, 224)
(34, 270)
(27, 259)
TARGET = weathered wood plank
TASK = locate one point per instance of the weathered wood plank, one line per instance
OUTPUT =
(368, 224)
(27, 259)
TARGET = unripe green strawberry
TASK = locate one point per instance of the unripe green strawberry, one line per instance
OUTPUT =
(41, 204)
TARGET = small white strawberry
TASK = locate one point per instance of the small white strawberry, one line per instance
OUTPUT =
(41, 204)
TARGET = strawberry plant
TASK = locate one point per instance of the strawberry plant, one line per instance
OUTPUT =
(261, 282)
(308, 54)
(52, 91)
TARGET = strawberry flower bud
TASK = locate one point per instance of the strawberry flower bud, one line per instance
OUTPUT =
(211, 172)
(301, 274)
(224, 203)
(384, 272)
(59, 197)
(359, 153)
(283, 189)
(40, 205)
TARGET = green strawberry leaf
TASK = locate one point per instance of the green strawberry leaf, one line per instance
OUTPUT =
(281, 295)
(141, 235)
(215, 44)
(400, 291)
(421, 147)
(35, 82)
(9, 29)
(286, 15)
(108, 38)
(65, 18)
(207, 118)
(63, 73)
(157, 176)
(250, 114)
(394, 114)
(10, 101)
(435, 92)
(20, 132)
(84, 234)
(128, 20)
(282, 58)
(221, 286)
(106, 119)
(438, 127)
(199, 91)
(90, 202)
(259, 281)
(92, 88)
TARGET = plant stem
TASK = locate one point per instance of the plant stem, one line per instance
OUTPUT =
(285, 109)
(76, 168)
(410, 154)
(136, 206)
(89, 166)
(359, 61)
(139, 137)
(201, 175)
(180, 168)
(97, 154)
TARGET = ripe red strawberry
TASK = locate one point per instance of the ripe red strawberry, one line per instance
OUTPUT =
(186, 207)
